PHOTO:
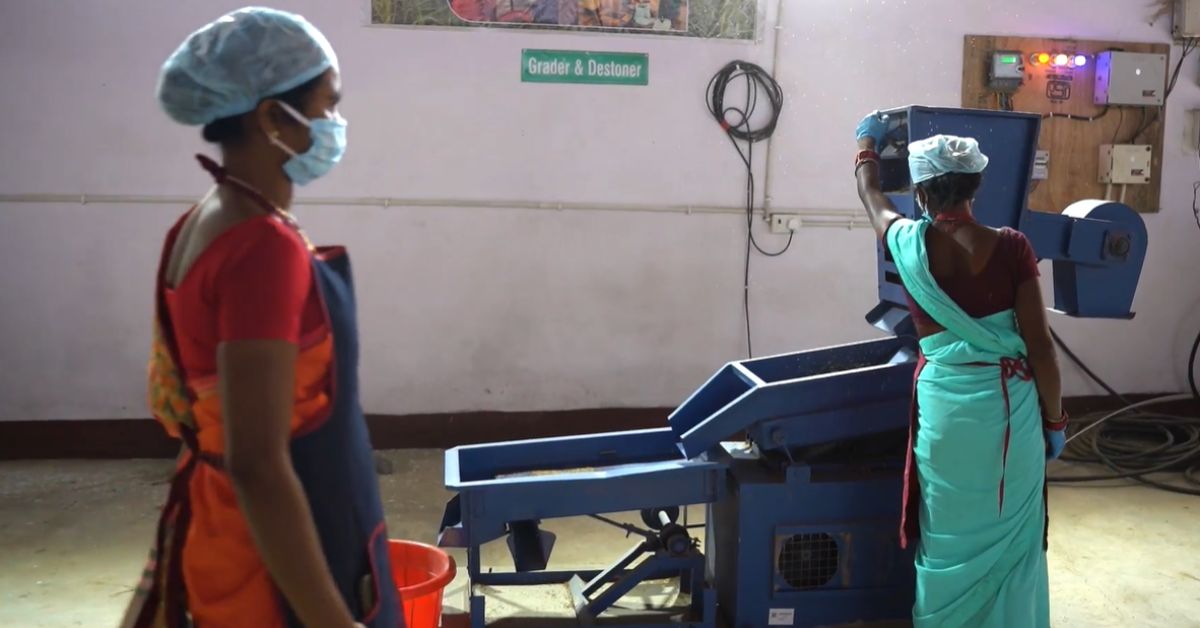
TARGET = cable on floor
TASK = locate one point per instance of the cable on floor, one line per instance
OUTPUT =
(1133, 443)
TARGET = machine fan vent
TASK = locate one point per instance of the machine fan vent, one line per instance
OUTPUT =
(808, 561)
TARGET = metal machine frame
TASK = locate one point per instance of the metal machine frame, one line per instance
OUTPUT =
(623, 471)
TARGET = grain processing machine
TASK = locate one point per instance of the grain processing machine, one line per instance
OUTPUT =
(797, 458)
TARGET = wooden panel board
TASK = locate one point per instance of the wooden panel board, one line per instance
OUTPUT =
(1074, 145)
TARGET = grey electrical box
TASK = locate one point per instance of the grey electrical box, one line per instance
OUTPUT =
(1007, 71)
(1041, 165)
(1130, 78)
(1187, 19)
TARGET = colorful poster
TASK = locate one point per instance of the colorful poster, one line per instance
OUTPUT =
(655, 15)
(723, 19)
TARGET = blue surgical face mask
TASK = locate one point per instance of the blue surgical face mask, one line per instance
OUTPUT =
(328, 146)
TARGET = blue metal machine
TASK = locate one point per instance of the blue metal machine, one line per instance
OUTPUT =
(797, 458)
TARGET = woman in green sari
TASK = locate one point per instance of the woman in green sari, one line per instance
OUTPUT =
(987, 410)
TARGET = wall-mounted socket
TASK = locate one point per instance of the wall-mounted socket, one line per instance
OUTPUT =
(1191, 132)
(1186, 24)
(784, 224)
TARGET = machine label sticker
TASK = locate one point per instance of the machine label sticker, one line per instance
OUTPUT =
(1058, 90)
(569, 66)
(782, 617)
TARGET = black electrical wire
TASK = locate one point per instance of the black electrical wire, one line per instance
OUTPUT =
(1189, 46)
(1195, 207)
(1192, 367)
(736, 122)
(1103, 384)
(1191, 370)
(1084, 367)
(1071, 116)
(1138, 444)
(1120, 123)
(756, 77)
(1196, 186)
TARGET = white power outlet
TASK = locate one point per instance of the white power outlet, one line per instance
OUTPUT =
(1191, 132)
(785, 223)
(1187, 19)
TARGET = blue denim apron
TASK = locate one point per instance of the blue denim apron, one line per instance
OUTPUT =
(335, 464)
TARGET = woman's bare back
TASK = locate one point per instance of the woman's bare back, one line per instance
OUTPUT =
(205, 224)
(957, 252)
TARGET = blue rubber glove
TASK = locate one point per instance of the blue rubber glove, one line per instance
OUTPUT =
(1055, 443)
(874, 126)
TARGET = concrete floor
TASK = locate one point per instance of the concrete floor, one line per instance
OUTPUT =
(74, 535)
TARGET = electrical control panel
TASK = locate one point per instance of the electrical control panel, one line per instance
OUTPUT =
(1130, 78)
(1007, 71)
(1187, 19)
(1089, 93)
(1123, 164)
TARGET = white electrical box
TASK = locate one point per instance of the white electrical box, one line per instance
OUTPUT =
(1124, 164)
(1041, 165)
(1130, 78)
(1187, 19)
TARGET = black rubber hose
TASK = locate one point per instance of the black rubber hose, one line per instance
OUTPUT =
(1139, 444)
(1192, 367)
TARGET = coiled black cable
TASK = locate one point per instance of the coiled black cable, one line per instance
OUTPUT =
(756, 78)
(1136, 446)
(736, 122)
(1134, 443)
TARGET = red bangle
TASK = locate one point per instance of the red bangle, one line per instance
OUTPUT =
(1057, 426)
(865, 155)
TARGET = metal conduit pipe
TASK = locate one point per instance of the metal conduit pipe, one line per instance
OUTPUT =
(843, 218)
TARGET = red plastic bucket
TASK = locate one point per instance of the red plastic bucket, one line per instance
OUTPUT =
(421, 573)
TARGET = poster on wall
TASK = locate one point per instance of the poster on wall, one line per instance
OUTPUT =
(655, 15)
(718, 19)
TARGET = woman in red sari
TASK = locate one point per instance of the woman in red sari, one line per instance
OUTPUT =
(274, 517)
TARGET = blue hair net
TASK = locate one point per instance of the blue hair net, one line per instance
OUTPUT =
(230, 65)
(942, 154)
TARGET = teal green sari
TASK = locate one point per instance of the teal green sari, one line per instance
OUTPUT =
(980, 461)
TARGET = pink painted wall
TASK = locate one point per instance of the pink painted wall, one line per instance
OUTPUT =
(468, 308)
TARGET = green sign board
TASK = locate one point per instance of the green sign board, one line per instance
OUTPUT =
(570, 66)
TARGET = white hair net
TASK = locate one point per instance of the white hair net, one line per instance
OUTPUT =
(942, 154)
(230, 65)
